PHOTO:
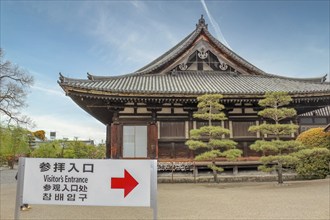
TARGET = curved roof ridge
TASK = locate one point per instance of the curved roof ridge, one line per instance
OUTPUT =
(233, 55)
(64, 79)
(96, 78)
(186, 42)
(183, 43)
(181, 46)
(321, 79)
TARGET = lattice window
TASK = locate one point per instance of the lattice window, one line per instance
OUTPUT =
(135, 141)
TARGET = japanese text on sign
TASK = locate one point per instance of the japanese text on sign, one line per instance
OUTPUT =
(64, 187)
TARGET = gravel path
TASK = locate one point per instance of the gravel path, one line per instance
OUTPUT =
(257, 201)
(7, 176)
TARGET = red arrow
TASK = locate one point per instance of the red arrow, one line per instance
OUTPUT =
(128, 183)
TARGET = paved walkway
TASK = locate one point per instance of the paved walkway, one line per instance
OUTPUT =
(257, 201)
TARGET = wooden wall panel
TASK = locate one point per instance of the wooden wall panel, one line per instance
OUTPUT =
(240, 129)
(164, 150)
(172, 129)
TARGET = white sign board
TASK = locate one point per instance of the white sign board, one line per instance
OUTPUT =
(87, 182)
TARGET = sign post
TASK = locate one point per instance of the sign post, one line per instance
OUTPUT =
(153, 183)
(87, 182)
(19, 188)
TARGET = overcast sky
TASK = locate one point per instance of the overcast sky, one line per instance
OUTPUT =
(287, 38)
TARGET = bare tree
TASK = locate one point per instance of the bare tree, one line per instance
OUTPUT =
(14, 85)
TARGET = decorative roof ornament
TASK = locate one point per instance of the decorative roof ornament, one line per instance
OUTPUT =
(223, 66)
(174, 73)
(183, 66)
(201, 22)
(202, 54)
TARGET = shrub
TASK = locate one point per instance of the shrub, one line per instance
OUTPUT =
(313, 163)
(315, 137)
(65, 149)
(47, 150)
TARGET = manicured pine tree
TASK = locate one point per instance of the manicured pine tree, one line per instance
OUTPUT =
(210, 137)
(276, 152)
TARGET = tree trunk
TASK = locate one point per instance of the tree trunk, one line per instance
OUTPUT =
(215, 173)
(280, 173)
(11, 163)
(215, 176)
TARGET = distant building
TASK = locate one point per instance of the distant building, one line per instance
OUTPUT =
(52, 135)
(38, 141)
(89, 142)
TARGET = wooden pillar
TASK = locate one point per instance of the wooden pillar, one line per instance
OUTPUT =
(116, 135)
(235, 170)
(173, 150)
(108, 141)
(152, 140)
(231, 135)
(191, 126)
(191, 152)
(116, 140)
(152, 131)
(245, 149)
(258, 132)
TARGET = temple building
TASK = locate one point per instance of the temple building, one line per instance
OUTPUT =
(318, 118)
(148, 113)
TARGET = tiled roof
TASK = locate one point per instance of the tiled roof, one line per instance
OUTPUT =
(157, 78)
(196, 82)
(318, 112)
